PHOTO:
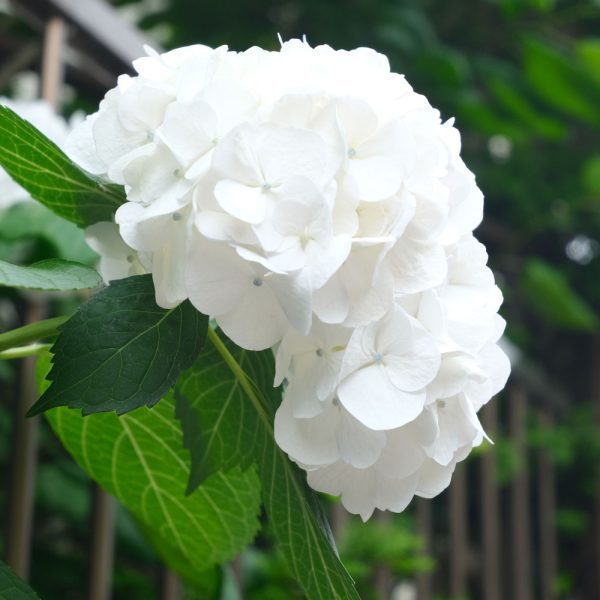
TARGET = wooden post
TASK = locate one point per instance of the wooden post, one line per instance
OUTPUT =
(24, 461)
(382, 578)
(458, 559)
(25, 432)
(339, 519)
(490, 513)
(519, 498)
(102, 544)
(547, 516)
(595, 393)
(237, 568)
(425, 529)
(171, 586)
(52, 62)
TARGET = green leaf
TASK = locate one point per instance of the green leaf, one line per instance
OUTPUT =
(515, 102)
(51, 274)
(121, 351)
(590, 174)
(45, 171)
(139, 458)
(561, 81)
(219, 424)
(13, 588)
(551, 296)
(32, 220)
(248, 404)
(477, 112)
(588, 50)
(543, 5)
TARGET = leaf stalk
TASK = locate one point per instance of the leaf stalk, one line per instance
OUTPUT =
(31, 333)
(24, 351)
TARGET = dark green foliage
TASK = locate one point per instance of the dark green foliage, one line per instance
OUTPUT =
(551, 296)
(121, 351)
(12, 588)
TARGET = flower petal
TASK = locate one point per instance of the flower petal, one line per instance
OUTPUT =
(369, 396)
(246, 203)
(309, 441)
(358, 445)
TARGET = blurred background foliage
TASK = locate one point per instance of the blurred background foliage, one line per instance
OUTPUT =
(522, 79)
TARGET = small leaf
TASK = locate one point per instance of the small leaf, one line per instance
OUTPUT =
(47, 173)
(13, 588)
(561, 80)
(139, 458)
(32, 220)
(295, 515)
(590, 174)
(588, 50)
(51, 274)
(551, 296)
(121, 351)
(515, 102)
(219, 424)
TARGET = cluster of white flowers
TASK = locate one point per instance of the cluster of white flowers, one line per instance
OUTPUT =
(53, 126)
(310, 201)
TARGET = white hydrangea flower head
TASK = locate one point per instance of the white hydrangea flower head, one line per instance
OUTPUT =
(310, 201)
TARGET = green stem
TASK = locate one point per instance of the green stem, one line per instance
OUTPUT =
(23, 351)
(31, 333)
(240, 375)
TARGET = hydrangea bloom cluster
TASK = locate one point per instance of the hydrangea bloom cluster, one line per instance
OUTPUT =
(41, 115)
(311, 202)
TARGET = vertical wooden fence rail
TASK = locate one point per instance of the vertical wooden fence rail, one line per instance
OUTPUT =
(458, 558)
(491, 550)
(547, 516)
(425, 529)
(520, 523)
(23, 461)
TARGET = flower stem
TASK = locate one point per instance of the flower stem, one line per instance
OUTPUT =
(23, 351)
(30, 333)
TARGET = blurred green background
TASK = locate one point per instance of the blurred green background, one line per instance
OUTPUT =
(522, 78)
